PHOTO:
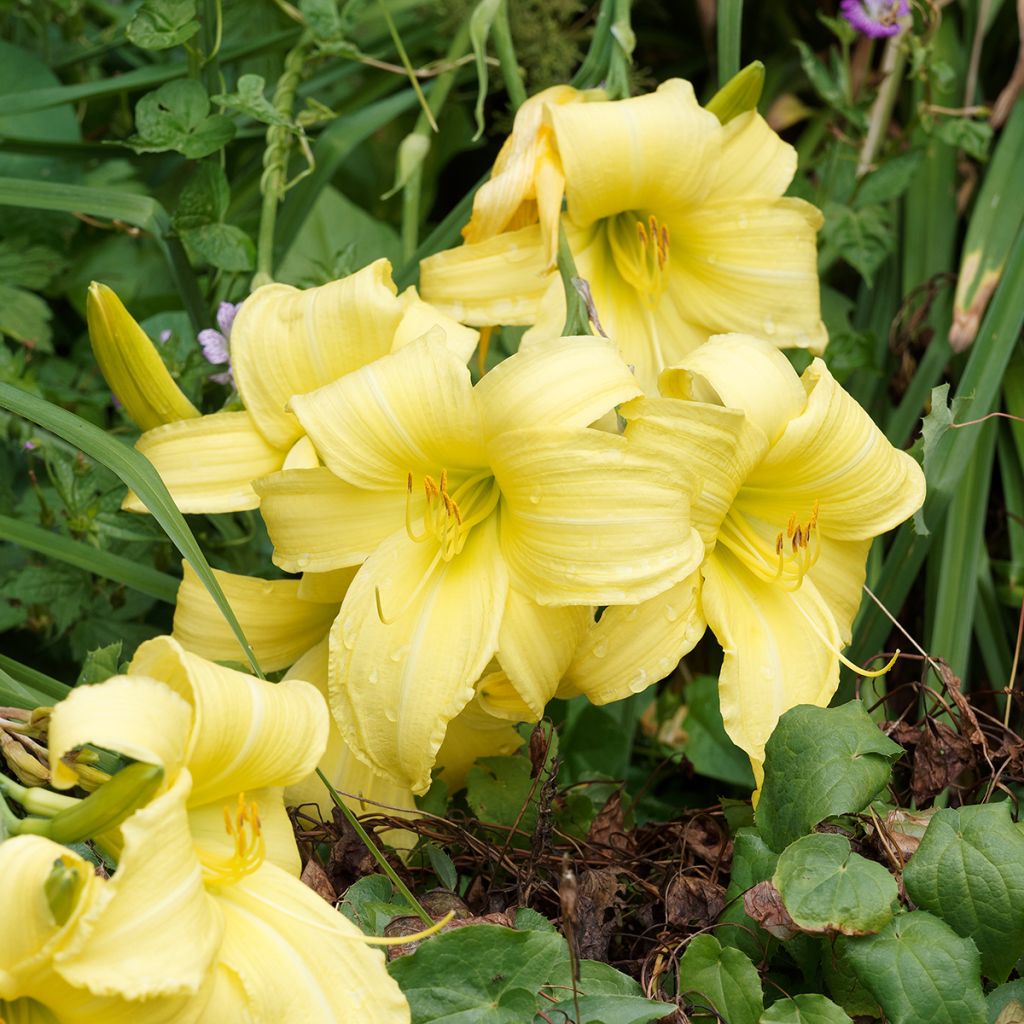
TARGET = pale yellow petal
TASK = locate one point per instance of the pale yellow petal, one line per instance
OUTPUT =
(473, 734)
(755, 161)
(410, 412)
(780, 650)
(653, 152)
(835, 455)
(208, 464)
(247, 733)
(139, 717)
(535, 646)
(499, 281)
(286, 341)
(587, 519)
(751, 265)
(152, 929)
(394, 688)
(838, 576)
(298, 960)
(301, 455)
(629, 648)
(130, 363)
(419, 318)
(744, 373)
(564, 382)
(278, 622)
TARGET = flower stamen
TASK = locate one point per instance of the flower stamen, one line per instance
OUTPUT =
(787, 560)
(245, 829)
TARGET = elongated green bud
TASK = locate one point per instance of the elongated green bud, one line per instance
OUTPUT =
(739, 94)
(62, 886)
(126, 792)
(131, 364)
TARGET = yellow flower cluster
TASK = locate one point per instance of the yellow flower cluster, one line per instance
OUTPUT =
(451, 542)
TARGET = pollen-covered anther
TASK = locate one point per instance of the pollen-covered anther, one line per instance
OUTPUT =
(243, 826)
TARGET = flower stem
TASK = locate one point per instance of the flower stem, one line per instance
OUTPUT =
(375, 851)
(576, 320)
(881, 110)
(507, 56)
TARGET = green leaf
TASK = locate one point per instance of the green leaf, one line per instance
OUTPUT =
(890, 180)
(249, 99)
(222, 246)
(370, 903)
(480, 972)
(100, 664)
(204, 199)
(606, 996)
(177, 116)
(322, 18)
(804, 1009)
(498, 787)
(1005, 1004)
(820, 762)
(442, 866)
(607, 1010)
(708, 747)
(969, 870)
(975, 137)
(828, 888)
(720, 979)
(59, 591)
(863, 237)
(753, 861)
(920, 971)
(480, 22)
(25, 317)
(161, 24)
(137, 473)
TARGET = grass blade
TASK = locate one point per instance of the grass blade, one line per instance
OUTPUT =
(38, 682)
(730, 20)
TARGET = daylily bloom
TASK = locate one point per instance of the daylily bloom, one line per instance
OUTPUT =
(794, 481)
(875, 18)
(478, 536)
(284, 341)
(226, 895)
(676, 221)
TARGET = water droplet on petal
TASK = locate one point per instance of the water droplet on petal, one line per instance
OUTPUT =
(373, 677)
(390, 715)
(639, 681)
(768, 326)
(601, 648)
(671, 613)
(302, 561)
(534, 499)
(399, 653)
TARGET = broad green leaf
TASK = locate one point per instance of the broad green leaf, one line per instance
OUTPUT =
(863, 237)
(607, 1010)
(605, 995)
(497, 788)
(722, 980)
(161, 24)
(177, 116)
(250, 99)
(708, 747)
(370, 902)
(100, 664)
(820, 762)
(828, 888)
(890, 180)
(204, 199)
(1005, 1004)
(25, 317)
(974, 137)
(969, 870)
(322, 18)
(223, 246)
(753, 861)
(804, 1009)
(920, 971)
(138, 473)
(477, 973)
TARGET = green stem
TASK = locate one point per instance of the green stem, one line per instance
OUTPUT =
(506, 52)
(275, 159)
(406, 63)
(576, 319)
(35, 799)
(881, 110)
(621, 56)
(375, 851)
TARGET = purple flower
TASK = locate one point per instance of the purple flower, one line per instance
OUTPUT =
(30, 446)
(875, 18)
(216, 343)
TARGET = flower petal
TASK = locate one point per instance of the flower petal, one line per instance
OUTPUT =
(564, 382)
(247, 733)
(653, 152)
(779, 650)
(744, 373)
(535, 645)
(473, 734)
(286, 341)
(151, 930)
(755, 161)
(835, 455)
(208, 464)
(320, 523)
(629, 648)
(499, 281)
(394, 688)
(587, 519)
(135, 716)
(838, 575)
(751, 265)
(412, 411)
(279, 624)
(130, 363)
(298, 960)
(419, 318)
(327, 587)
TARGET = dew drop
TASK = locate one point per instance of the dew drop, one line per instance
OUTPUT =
(769, 326)
(390, 715)
(373, 677)
(302, 561)
(534, 499)
(743, 222)
(639, 681)
(600, 648)
(671, 613)
(399, 653)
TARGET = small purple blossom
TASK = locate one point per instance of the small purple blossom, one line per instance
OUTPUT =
(875, 18)
(165, 335)
(216, 344)
(30, 446)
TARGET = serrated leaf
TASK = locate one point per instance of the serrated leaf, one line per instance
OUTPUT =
(370, 903)
(250, 99)
(863, 237)
(26, 264)
(974, 137)
(890, 180)
(25, 317)
(221, 245)
(177, 116)
(100, 664)
(322, 18)
(161, 24)
(969, 871)
(804, 1009)
(476, 973)
(204, 199)
(828, 888)
(820, 762)
(933, 428)
(720, 979)
(920, 971)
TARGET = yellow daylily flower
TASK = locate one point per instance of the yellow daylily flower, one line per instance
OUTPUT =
(794, 482)
(265, 948)
(676, 221)
(479, 536)
(284, 341)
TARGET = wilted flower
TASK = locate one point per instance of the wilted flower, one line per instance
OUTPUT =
(875, 18)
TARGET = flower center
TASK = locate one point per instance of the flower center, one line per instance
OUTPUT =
(786, 560)
(250, 850)
(641, 251)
